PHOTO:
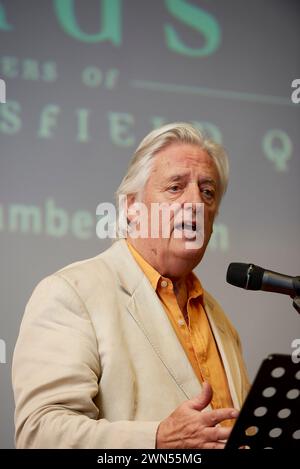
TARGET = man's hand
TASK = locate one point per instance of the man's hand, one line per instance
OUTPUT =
(188, 427)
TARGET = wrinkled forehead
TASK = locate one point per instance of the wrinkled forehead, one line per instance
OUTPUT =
(185, 159)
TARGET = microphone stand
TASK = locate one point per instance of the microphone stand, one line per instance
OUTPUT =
(296, 298)
(296, 303)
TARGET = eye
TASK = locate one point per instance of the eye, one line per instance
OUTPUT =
(174, 189)
(209, 194)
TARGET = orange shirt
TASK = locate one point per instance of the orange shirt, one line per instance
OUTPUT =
(192, 329)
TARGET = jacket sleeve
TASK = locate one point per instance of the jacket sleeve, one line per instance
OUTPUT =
(56, 374)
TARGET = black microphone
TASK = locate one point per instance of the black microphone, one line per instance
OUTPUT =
(253, 277)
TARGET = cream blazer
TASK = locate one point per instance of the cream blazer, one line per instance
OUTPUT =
(97, 363)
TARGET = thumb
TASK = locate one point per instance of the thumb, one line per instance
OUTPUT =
(203, 399)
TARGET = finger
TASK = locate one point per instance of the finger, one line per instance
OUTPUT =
(223, 433)
(217, 433)
(203, 399)
(214, 445)
(213, 417)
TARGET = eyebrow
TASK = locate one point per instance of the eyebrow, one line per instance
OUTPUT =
(180, 177)
(177, 177)
(208, 180)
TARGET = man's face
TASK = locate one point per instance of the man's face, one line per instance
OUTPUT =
(182, 174)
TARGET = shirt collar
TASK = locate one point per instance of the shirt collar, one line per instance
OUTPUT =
(194, 287)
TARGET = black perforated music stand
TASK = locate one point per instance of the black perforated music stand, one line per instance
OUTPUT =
(270, 416)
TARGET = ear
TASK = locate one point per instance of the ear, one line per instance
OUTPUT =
(131, 198)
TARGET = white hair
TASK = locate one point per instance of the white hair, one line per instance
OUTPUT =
(142, 161)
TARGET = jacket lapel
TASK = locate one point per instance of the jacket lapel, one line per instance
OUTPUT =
(145, 307)
(227, 352)
(149, 314)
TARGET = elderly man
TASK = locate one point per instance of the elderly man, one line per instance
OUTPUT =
(127, 350)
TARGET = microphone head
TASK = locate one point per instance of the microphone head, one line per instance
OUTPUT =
(247, 276)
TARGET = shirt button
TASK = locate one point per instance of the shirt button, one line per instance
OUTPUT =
(181, 322)
(164, 283)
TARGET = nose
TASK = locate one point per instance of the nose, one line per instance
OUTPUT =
(193, 193)
(192, 200)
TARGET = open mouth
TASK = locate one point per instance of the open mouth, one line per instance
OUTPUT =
(186, 229)
(189, 226)
(186, 225)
